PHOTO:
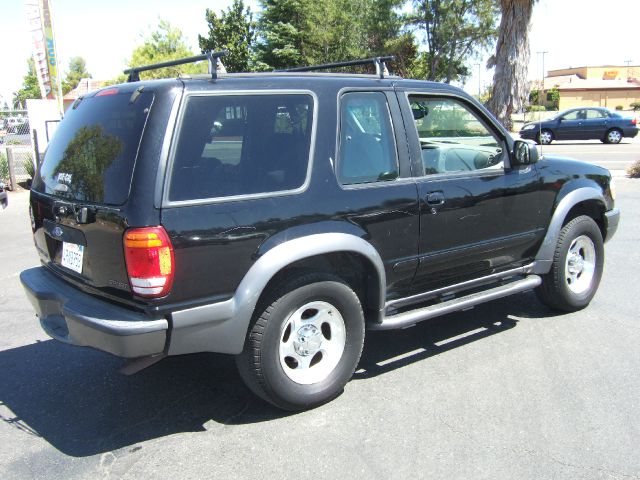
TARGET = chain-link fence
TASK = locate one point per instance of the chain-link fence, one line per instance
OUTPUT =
(16, 152)
(16, 165)
(14, 125)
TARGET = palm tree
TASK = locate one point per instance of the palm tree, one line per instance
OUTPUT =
(510, 85)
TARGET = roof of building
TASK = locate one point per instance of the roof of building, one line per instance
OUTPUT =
(598, 84)
(85, 86)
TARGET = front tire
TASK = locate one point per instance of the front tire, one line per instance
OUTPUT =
(577, 267)
(304, 343)
(545, 137)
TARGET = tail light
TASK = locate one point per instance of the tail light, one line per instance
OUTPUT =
(634, 121)
(149, 257)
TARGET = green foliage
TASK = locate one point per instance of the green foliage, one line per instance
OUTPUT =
(283, 29)
(4, 168)
(27, 165)
(30, 87)
(635, 106)
(234, 30)
(306, 32)
(619, 107)
(454, 31)
(534, 96)
(161, 45)
(77, 71)
(634, 170)
(535, 108)
(553, 96)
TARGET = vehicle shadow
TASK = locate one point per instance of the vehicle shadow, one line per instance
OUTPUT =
(75, 398)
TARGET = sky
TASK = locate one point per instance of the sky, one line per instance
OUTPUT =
(573, 33)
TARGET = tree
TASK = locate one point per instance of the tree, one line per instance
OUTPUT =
(234, 30)
(161, 45)
(510, 85)
(77, 71)
(283, 27)
(454, 30)
(30, 87)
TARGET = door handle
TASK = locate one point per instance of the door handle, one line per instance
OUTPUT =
(435, 198)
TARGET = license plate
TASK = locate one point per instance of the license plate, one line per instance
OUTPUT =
(72, 256)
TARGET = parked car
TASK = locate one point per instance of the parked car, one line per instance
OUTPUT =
(277, 216)
(4, 198)
(592, 123)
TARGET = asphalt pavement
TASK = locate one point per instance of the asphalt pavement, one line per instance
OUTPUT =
(616, 158)
(509, 390)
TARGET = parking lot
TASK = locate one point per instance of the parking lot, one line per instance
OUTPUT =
(509, 390)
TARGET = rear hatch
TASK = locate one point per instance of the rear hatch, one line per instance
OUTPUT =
(81, 189)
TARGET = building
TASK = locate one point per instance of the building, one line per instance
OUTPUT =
(85, 86)
(609, 86)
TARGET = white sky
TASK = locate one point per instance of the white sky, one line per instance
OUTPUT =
(573, 32)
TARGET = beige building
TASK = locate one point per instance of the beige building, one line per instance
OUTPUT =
(85, 86)
(608, 86)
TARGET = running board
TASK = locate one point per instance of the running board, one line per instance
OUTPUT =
(410, 318)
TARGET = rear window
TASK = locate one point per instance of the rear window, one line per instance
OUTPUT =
(231, 145)
(92, 154)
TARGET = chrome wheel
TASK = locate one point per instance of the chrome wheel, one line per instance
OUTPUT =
(614, 136)
(545, 137)
(580, 264)
(312, 342)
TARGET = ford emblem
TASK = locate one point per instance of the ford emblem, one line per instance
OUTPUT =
(57, 232)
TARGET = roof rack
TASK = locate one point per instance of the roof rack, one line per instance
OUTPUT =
(379, 63)
(212, 57)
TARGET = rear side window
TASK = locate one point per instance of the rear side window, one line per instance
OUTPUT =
(92, 154)
(231, 145)
(367, 148)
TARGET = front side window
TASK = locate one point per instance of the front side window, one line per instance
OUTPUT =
(367, 150)
(575, 115)
(231, 145)
(452, 137)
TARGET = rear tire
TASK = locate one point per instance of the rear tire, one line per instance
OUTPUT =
(613, 136)
(304, 342)
(577, 267)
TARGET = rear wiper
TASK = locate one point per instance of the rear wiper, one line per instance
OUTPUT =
(136, 94)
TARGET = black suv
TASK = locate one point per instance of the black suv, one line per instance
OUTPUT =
(276, 216)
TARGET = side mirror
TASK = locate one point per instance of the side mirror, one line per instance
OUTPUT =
(525, 152)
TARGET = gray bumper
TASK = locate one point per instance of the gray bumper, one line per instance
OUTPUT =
(72, 316)
(611, 218)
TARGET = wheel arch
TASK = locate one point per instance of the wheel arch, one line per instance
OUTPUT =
(583, 200)
(222, 327)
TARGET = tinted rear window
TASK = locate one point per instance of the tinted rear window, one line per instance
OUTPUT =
(232, 145)
(92, 154)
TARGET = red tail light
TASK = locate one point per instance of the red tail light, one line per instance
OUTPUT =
(149, 256)
(634, 121)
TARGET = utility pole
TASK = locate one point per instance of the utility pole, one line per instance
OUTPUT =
(628, 62)
(479, 87)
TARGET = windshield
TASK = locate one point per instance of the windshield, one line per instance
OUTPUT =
(92, 154)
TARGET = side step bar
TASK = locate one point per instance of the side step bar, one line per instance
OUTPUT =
(410, 318)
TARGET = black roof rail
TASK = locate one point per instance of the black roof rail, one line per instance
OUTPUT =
(379, 63)
(212, 57)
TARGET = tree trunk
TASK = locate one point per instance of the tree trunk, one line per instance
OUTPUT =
(510, 84)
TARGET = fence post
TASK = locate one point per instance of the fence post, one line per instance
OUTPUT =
(12, 170)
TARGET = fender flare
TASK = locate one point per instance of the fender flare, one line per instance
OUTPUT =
(544, 257)
(222, 327)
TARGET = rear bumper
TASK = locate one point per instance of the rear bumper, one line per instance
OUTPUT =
(611, 218)
(72, 316)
